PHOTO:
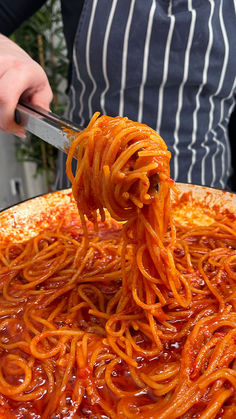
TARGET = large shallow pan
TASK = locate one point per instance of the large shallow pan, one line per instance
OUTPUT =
(194, 204)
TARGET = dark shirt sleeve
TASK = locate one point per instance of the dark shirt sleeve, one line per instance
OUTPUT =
(14, 12)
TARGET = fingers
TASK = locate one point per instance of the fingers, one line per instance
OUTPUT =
(39, 94)
(10, 92)
(26, 80)
(20, 77)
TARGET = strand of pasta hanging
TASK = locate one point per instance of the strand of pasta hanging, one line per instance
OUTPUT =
(123, 166)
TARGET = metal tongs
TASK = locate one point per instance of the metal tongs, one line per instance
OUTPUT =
(51, 128)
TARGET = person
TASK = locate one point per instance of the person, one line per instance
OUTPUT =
(168, 63)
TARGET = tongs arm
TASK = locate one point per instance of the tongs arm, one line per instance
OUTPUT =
(46, 125)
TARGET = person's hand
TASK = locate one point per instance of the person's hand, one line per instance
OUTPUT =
(20, 77)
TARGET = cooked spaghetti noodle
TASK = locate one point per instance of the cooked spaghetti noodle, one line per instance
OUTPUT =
(128, 318)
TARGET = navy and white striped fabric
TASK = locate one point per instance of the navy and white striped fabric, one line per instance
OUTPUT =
(168, 63)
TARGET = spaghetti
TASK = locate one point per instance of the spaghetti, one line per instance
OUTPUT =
(128, 318)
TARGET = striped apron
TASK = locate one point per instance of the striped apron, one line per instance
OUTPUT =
(170, 64)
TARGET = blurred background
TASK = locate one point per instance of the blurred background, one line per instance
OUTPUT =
(28, 167)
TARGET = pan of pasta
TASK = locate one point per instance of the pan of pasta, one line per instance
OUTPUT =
(118, 297)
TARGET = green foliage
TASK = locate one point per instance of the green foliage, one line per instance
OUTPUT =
(42, 38)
